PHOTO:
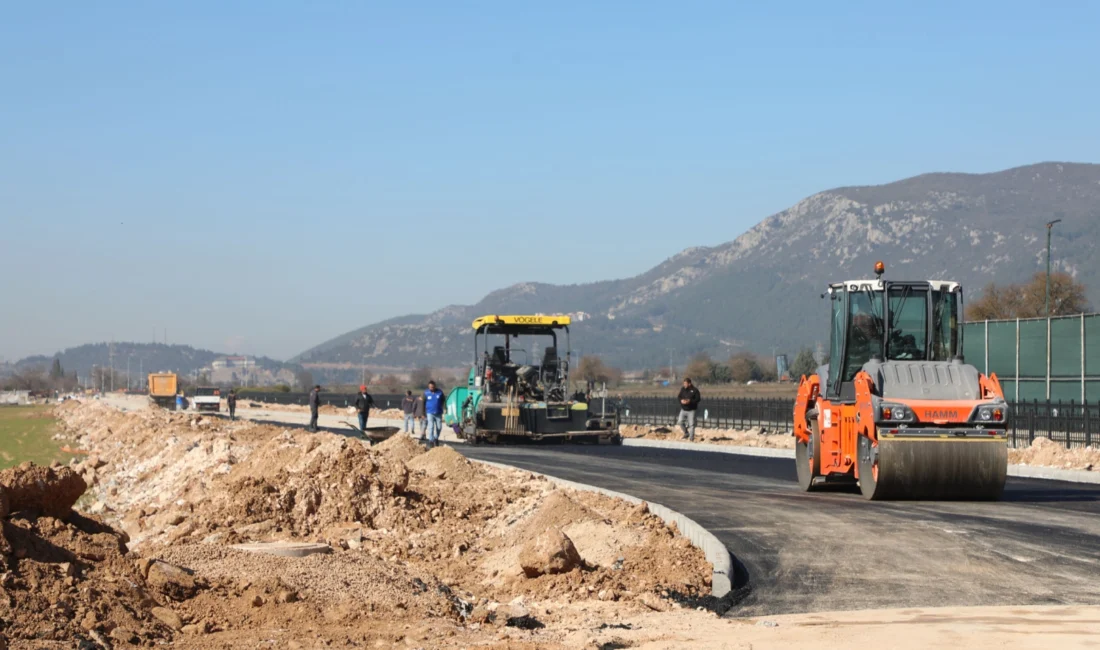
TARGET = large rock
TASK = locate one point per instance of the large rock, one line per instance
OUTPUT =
(176, 583)
(168, 617)
(47, 490)
(550, 553)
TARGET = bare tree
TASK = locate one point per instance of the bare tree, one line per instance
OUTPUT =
(421, 376)
(391, 383)
(303, 380)
(1028, 300)
(744, 368)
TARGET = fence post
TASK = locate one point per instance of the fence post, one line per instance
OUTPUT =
(1031, 422)
(1017, 359)
(1048, 359)
(1066, 420)
(1088, 423)
(1083, 396)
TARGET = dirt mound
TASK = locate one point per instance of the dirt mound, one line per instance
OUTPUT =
(556, 511)
(42, 489)
(757, 437)
(400, 447)
(445, 463)
(67, 578)
(1047, 453)
(421, 540)
(348, 486)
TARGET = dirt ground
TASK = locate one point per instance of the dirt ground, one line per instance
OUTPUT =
(1042, 453)
(751, 438)
(427, 549)
(390, 414)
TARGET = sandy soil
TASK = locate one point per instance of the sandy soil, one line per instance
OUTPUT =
(428, 549)
(1042, 453)
(751, 438)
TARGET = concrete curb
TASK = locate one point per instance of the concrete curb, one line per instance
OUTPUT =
(1019, 471)
(714, 550)
(1054, 474)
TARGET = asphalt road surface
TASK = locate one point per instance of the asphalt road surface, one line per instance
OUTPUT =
(832, 551)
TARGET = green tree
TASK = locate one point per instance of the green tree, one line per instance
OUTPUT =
(803, 364)
(56, 371)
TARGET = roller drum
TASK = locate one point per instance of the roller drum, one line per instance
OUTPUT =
(954, 468)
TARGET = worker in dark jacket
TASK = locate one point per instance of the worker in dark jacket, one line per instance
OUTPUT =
(689, 402)
(231, 402)
(408, 407)
(314, 406)
(363, 402)
(418, 415)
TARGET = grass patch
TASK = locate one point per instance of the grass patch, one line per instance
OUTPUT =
(26, 433)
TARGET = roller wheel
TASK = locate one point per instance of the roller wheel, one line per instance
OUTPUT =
(868, 469)
(807, 457)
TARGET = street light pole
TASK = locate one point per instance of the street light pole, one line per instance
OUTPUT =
(1050, 225)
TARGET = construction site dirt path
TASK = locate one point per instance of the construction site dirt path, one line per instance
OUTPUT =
(835, 551)
(830, 552)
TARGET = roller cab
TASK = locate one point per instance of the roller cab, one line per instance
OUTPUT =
(898, 410)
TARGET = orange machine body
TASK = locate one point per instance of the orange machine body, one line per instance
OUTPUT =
(841, 424)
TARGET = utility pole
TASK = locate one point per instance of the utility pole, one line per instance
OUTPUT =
(128, 373)
(1050, 226)
(141, 370)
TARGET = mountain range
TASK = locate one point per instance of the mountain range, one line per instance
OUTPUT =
(142, 357)
(762, 290)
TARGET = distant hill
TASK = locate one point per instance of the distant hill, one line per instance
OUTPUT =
(761, 291)
(150, 357)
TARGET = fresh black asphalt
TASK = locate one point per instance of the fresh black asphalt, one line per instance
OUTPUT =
(835, 551)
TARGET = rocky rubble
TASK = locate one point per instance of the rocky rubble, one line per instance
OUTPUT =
(1045, 452)
(426, 547)
(757, 437)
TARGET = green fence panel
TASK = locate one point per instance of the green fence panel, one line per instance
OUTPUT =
(1092, 394)
(1033, 389)
(1033, 348)
(1009, 387)
(1064, 391)
(1002, 348)
(1065, 348)
(1092, 345)
(974, 345)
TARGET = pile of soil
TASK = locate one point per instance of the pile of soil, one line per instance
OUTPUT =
(750, 438)
(426, 542)
(1045, 452)
(66, 579)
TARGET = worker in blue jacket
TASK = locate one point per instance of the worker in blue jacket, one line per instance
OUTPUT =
(434, 403)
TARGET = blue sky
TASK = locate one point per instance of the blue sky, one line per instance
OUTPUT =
(266, 175)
